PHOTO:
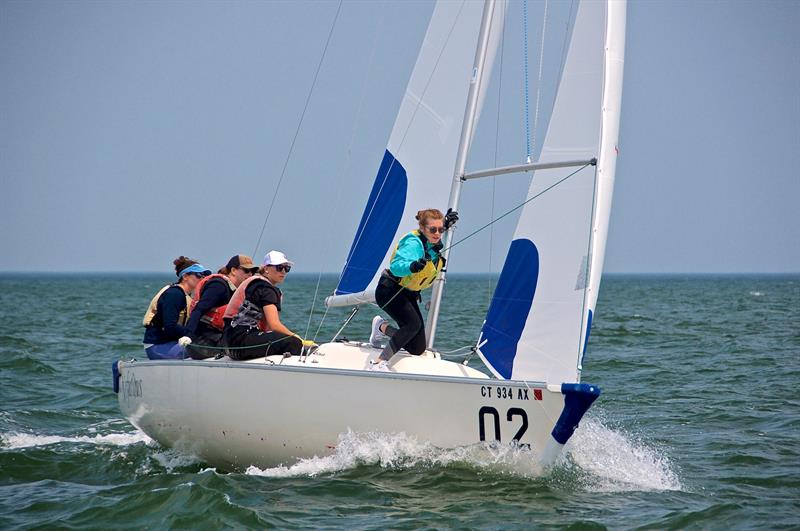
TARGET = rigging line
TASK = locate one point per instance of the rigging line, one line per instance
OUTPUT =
(539, 82)
(299, 125)
(311, 310)
(519, 206)
(456, 352)
(525, 79)
(321, 321)
(219, 347)
(346, 167)
(360, 233)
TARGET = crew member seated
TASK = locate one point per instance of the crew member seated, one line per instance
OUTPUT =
(166, 316)
(209, 301)
(253, 328)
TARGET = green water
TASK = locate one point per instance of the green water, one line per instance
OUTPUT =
(697, 426)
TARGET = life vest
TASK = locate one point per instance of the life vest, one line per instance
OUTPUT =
(152, 308)
(239, 304)
(212, 317)
(421, 279)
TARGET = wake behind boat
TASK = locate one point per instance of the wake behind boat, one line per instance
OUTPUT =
(276, 410)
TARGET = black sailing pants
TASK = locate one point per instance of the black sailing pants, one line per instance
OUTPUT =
(401, 305)
(262, 343)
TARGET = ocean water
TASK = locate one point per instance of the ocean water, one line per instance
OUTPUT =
(698, 425)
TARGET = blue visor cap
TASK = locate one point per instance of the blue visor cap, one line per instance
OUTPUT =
(195, 268)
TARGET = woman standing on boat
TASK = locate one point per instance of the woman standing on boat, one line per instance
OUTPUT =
(209, 301)
(253, 326)
(414, 266)
(166, 316)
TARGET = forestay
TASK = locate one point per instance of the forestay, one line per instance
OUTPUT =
(417, 168)
(538, 322)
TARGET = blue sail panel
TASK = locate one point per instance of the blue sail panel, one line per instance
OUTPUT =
(510, 307)
(377, 227)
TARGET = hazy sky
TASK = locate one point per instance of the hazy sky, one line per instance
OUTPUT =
(131, 132)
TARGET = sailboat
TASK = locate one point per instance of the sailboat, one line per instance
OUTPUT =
(272, 411)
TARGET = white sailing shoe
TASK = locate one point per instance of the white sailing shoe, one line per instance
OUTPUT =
(376, 336)
(379, 366)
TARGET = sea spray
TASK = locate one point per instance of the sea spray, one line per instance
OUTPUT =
(17, 440)
(614, 461)
(605, 459)
(401, 451)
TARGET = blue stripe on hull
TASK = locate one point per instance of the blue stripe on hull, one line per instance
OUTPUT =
(377, 227)
(510, 306)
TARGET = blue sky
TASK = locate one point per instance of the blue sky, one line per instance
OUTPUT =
(133, 132)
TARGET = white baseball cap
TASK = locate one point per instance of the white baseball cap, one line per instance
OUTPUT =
(276, 258)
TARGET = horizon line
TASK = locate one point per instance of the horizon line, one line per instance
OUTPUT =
(169, 273)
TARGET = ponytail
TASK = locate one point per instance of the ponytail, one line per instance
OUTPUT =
(182, 263)
(429, 213)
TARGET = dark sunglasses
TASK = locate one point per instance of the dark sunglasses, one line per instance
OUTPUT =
(434, 230)
(283, 268)
(248, 271)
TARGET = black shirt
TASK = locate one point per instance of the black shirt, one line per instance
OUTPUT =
(262, 293)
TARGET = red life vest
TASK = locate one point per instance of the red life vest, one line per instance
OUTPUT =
(238, 298)
(214, 316)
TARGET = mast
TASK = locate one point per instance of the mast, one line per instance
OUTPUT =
(467, 130)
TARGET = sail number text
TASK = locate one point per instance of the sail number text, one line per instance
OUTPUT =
(489, 417)
(509, 393)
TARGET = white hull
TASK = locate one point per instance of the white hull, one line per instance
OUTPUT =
(235, 414)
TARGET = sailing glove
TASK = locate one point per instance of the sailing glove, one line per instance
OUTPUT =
(450, 218)
(419, 265)
(306, 342)
(437, 247)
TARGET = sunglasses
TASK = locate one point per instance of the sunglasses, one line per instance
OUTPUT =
(283, 268)
(434, 230)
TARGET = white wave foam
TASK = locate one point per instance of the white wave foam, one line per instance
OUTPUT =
(15, 440)
(174, 458)
(401, 451)
(616, 463)
(757, 293)
(606, 460)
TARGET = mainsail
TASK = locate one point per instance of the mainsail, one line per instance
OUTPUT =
(417, 167)
(538, 323)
